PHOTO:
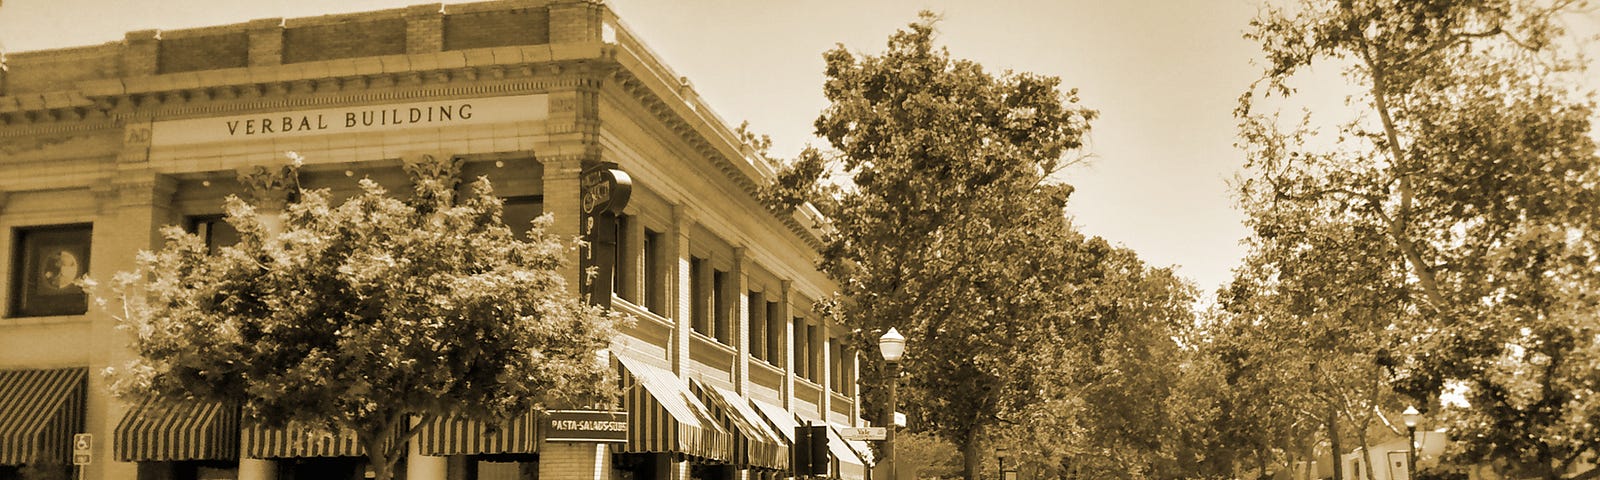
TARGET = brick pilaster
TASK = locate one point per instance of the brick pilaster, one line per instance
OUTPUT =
(140, 53)
(678, 271)
(575, 22)
(575, 461)
(425, 28)
(266, 42)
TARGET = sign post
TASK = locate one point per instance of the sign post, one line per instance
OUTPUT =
(82, 445)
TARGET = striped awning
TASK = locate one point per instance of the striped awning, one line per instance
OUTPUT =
(778, 418)
(461, 436)
(40, 410)
(190, 430)
(754, 444)
(847, 462)
(663, 417)
(300, 442)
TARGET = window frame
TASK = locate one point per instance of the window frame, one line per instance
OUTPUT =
(28, 262)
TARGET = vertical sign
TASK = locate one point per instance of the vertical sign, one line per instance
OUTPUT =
(81, 446)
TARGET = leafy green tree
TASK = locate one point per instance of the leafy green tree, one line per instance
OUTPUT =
(949, 225)
(1466, 180)
(359, 315)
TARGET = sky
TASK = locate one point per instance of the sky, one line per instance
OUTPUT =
(1164, 75)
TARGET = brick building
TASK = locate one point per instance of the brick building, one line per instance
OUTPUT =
(102, 145)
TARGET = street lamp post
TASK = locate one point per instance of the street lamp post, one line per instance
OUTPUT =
(892, 345)
(1000, 454)
(1411, 417)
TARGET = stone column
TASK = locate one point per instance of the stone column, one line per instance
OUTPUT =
(257, 469)
(585, 461)
(423, 467)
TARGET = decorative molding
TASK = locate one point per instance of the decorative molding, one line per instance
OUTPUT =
(268, 187)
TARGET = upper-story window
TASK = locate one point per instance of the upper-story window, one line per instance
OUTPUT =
(813, 357)
(621, 275)
(756, 311)
(45, 266)
(775, 333)
(653, 268)
(802, 368)
(700, 296)
(722, 306)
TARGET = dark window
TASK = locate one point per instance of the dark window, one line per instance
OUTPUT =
(699, 296)
(756, 309)
(775, 330)
(519, 213)
(45, 266)
(723, 308)
(214, 230)
(621, 276)
(801, 369)
(813, 354)
(655, 280)
(835, 365)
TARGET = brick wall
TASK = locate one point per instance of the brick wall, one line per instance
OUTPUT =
(58, 69)
(332, 41)
(497, 29)
(203, 52)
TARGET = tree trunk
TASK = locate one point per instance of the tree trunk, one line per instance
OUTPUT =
(1311, 458)
(1366, 452)
(378, 460)
(1333, 441)
(969, 454)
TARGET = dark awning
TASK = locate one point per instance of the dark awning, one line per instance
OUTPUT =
(460, 436)
(40, 411)
(299, 442)
(753, 443)
(663, 417)
(190, 430)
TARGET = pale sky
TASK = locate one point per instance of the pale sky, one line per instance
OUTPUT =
(1163, 74)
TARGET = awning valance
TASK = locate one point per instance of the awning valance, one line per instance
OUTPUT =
(40, 410)
(754, 444)
(663, 417)
(460, 436)
(298, 442)
(188, 430)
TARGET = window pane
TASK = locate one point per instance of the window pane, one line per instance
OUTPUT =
(51, 260)
(775, 330)
(655, 292)
(214, 230)
(699, 297)
(722, 307)
(756, 310)
(621, 276)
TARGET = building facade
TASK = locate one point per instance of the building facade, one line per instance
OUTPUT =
(100, 146)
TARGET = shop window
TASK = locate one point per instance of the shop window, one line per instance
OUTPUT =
(756, 310)
(45, 265)
(519, 212)
(722, 307)
(699, 296)
(655, 279)
(775, 330)
(214, 230)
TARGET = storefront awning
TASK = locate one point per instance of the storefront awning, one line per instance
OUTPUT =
(664, 417)
(298, 442)
(40, 410)
(846, 462)
(184, 431)
(754, 444)
(778, 418)
(460, 436)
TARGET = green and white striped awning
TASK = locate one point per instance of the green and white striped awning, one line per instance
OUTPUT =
(189, 430)
(40, 411)
(663, 417)
(460, 436)
(754, 444)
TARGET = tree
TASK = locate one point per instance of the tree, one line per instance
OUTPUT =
(1469, 176)
(360, 315)
(949, 227)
